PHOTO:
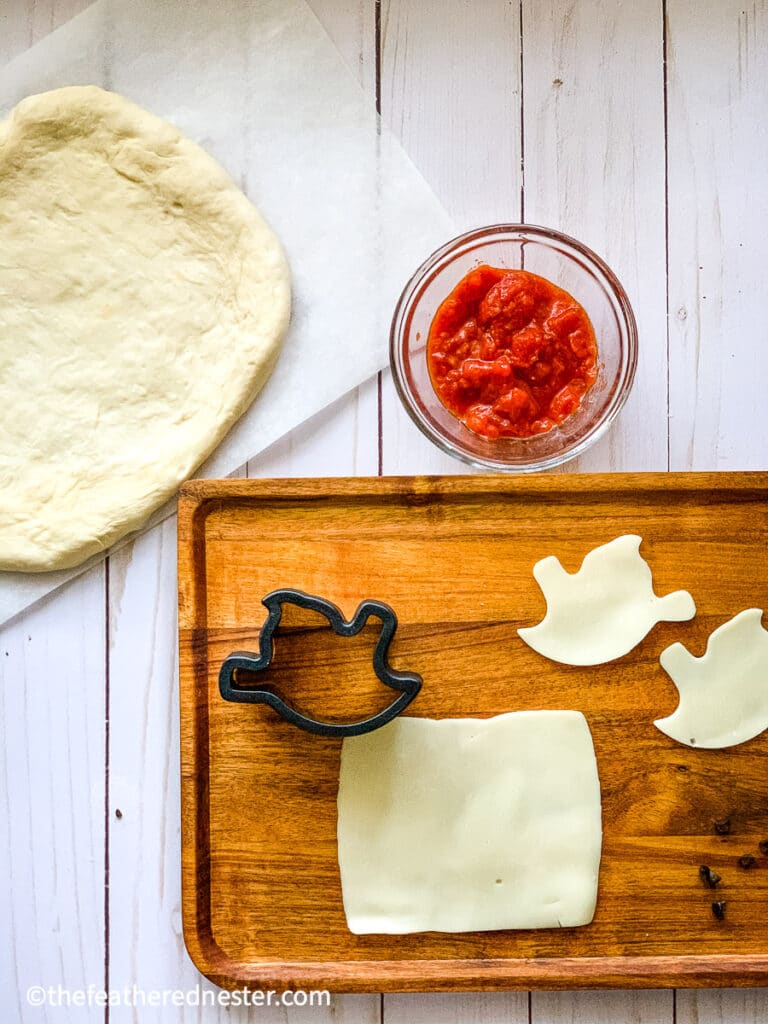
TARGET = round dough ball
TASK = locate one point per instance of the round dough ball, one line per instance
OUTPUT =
(143, 302)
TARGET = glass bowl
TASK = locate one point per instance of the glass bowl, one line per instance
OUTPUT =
(566, 263)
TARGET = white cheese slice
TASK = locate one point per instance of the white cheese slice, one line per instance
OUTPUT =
(469, 824)
(605, 609)
(724, 693)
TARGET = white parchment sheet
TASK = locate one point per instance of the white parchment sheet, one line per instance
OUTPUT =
(261, 86)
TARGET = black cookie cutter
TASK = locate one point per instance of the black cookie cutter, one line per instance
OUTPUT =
(408, 683)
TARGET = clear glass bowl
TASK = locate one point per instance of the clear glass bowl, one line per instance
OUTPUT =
(566, 263)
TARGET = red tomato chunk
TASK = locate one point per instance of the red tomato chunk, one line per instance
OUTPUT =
(511, 354)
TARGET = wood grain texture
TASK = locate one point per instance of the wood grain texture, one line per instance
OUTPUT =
(52, 715)
(147, 946)
(717, 84)
(449, 72)
(602, 1007)
(722, 1007)
(340, 441)
(23, 24)
(258, 797)
(594, 168)
(717, 69)
(53, 743)
(351, 24)
(450, 91)
(714, 389)
(344, 439)
(456, 1008)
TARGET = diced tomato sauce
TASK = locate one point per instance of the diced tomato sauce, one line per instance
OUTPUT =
(511, 354)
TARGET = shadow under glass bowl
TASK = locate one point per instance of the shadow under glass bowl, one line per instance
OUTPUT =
(569, 265)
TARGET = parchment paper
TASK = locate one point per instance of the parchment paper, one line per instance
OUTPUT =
(261, 86)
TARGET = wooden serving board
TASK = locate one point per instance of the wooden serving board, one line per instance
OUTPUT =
(453, 556)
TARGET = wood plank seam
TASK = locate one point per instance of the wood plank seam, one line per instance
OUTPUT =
(107, 794)
(664, 42)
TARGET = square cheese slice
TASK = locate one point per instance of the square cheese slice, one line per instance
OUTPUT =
(467, 824)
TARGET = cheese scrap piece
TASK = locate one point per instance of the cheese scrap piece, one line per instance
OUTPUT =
(724, 693)
(466, 824)
(605, 609)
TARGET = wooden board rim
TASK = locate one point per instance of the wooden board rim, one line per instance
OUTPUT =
(415, 975)
(195, 492)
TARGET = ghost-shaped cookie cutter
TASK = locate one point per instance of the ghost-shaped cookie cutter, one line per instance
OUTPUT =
(407, 683)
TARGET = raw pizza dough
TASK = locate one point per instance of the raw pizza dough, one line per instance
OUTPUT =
(724, 693)
(143, 302)
(470, 824)
(605, 609)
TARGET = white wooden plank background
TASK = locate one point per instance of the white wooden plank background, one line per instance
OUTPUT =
(637, 126)
(718, 211)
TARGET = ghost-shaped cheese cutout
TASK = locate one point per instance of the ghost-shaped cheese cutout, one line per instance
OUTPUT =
(724, 693)
(605, 609)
